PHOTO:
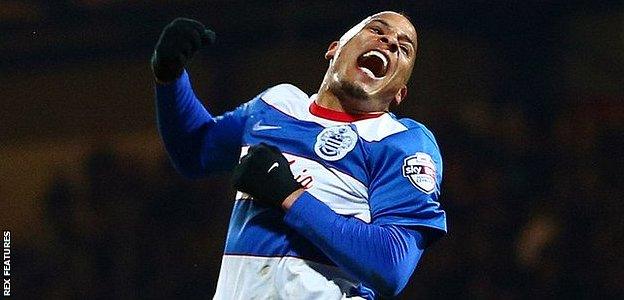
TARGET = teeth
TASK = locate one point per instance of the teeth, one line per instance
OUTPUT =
(369, 72)
(378, 54)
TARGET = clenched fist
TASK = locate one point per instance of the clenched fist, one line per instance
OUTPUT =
(177, 43)
(265, 174)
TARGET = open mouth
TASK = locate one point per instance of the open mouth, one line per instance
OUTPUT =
(374, 63)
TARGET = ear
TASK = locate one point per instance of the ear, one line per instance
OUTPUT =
(331, 51)
(400, 95)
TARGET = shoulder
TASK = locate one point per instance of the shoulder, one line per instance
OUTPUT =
(282, 94)
(400, 134)
(416, 141)
(418, 133)
(412, 153)
(285, 98)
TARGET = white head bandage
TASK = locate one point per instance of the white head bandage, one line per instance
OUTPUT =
(347, 36)
(353, 31)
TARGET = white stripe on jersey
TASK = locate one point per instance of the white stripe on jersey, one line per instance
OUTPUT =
(341, 192)
(253, 277)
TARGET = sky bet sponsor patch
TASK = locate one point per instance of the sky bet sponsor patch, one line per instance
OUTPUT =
(420, 170)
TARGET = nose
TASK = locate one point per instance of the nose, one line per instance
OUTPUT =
(391, 41)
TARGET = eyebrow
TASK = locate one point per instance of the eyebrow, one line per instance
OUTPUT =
(405, 36)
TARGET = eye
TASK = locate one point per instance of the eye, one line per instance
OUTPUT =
(376, 30)
(405, 49)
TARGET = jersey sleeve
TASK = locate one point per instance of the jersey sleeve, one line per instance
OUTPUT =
(383, 257)
(197, 142)
(406, 175)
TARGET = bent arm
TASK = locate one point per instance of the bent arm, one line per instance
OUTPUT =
(383, 257)
(196, 142)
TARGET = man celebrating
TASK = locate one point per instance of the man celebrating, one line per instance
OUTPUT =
(337, 197)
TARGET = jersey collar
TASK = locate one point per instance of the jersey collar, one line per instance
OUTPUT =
(339, 116)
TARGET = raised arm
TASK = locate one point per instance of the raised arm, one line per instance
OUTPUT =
(196, 142)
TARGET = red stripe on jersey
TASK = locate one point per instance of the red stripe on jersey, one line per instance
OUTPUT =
(339, 116)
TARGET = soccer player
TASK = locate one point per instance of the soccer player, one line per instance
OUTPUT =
(337, 198)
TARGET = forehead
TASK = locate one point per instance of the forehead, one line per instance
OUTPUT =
(397, 21)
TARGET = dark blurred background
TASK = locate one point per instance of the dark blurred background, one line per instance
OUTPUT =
(525, 99)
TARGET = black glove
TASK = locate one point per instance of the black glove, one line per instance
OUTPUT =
(265, 174)
(176, 45)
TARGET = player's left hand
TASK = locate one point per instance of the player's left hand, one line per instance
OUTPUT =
(265, 174)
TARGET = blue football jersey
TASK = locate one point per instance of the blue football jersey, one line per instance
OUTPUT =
(381, 170)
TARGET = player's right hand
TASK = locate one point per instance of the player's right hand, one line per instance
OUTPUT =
(177, 43)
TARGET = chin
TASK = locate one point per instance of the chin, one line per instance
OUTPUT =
(346, 89)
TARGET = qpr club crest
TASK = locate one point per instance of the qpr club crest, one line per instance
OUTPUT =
(333, 143)
(421, 172)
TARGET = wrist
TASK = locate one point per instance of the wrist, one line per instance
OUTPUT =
(162, 82)
(290, 199)
(166, 78)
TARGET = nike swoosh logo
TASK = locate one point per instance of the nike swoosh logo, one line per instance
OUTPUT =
(273, 166)
(258, 126)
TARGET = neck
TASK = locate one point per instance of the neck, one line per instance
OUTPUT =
(326, 98)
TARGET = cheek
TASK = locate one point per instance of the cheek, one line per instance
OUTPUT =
(404, 68)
